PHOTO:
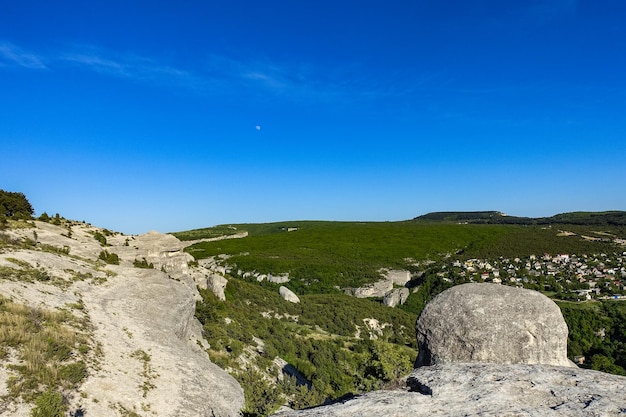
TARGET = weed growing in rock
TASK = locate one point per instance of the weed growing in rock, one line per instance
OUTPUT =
(143, 263)
(148, 374)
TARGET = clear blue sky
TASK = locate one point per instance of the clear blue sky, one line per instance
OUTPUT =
(142, 115)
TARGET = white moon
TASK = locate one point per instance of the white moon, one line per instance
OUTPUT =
(258, 127)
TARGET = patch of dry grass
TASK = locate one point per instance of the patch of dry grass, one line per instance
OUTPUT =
(48, 346)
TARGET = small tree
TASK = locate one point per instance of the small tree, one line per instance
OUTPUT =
(12, 203)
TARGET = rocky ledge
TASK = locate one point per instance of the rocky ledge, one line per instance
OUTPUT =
(144, 350)
(479, 389)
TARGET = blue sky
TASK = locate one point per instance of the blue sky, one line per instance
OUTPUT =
(163, 115)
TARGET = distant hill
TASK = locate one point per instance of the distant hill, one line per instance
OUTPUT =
(583, 218)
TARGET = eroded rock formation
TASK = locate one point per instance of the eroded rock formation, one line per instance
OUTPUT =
(145, 354)
(491, 323)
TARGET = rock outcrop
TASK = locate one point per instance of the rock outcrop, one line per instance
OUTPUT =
(217, 284)
(396, 296)
(385, 287)
(288, 295)
(397, 276)
(492, 351)
(460, 390)
(144, 338)
(375, 289)
(491, 323)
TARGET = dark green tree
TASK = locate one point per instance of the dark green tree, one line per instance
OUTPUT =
(14, 203)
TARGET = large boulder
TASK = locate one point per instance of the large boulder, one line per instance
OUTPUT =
(217, 284)
(492, 323)
(288, 295)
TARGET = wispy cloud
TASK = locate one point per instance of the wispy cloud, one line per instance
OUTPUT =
(132, 67)
(223, 75)
(11, 55)
(346, 82)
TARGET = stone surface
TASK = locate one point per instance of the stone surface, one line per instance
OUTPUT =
(129, 310)
(384, 287)
(476, 389)
(397, 276)
(278, 279)
(288, 295)
(376, 289)
(217, 284)
(395, 297)
(492, 323)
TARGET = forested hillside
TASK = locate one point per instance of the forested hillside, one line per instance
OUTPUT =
(605, 218)
(326, 343)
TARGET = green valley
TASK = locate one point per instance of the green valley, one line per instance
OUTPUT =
(325, 338)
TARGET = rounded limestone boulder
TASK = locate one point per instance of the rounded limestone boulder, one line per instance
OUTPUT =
(491, 323)
(288, 295)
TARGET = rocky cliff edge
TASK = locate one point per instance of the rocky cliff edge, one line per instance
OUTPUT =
(145, 351)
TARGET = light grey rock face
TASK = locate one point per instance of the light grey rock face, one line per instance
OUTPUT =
(492, 324)
(288, 295)
(278, 279)
(398, 276)
(129, 310)
(217, 284)
(396, 296)
(376, 289)
(475, 389)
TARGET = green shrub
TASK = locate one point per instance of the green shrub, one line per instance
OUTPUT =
(74, 373)
(262, 398)
(56, 220)
(110, 258)
(100, 238)
(142, 263)
(49, 404)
